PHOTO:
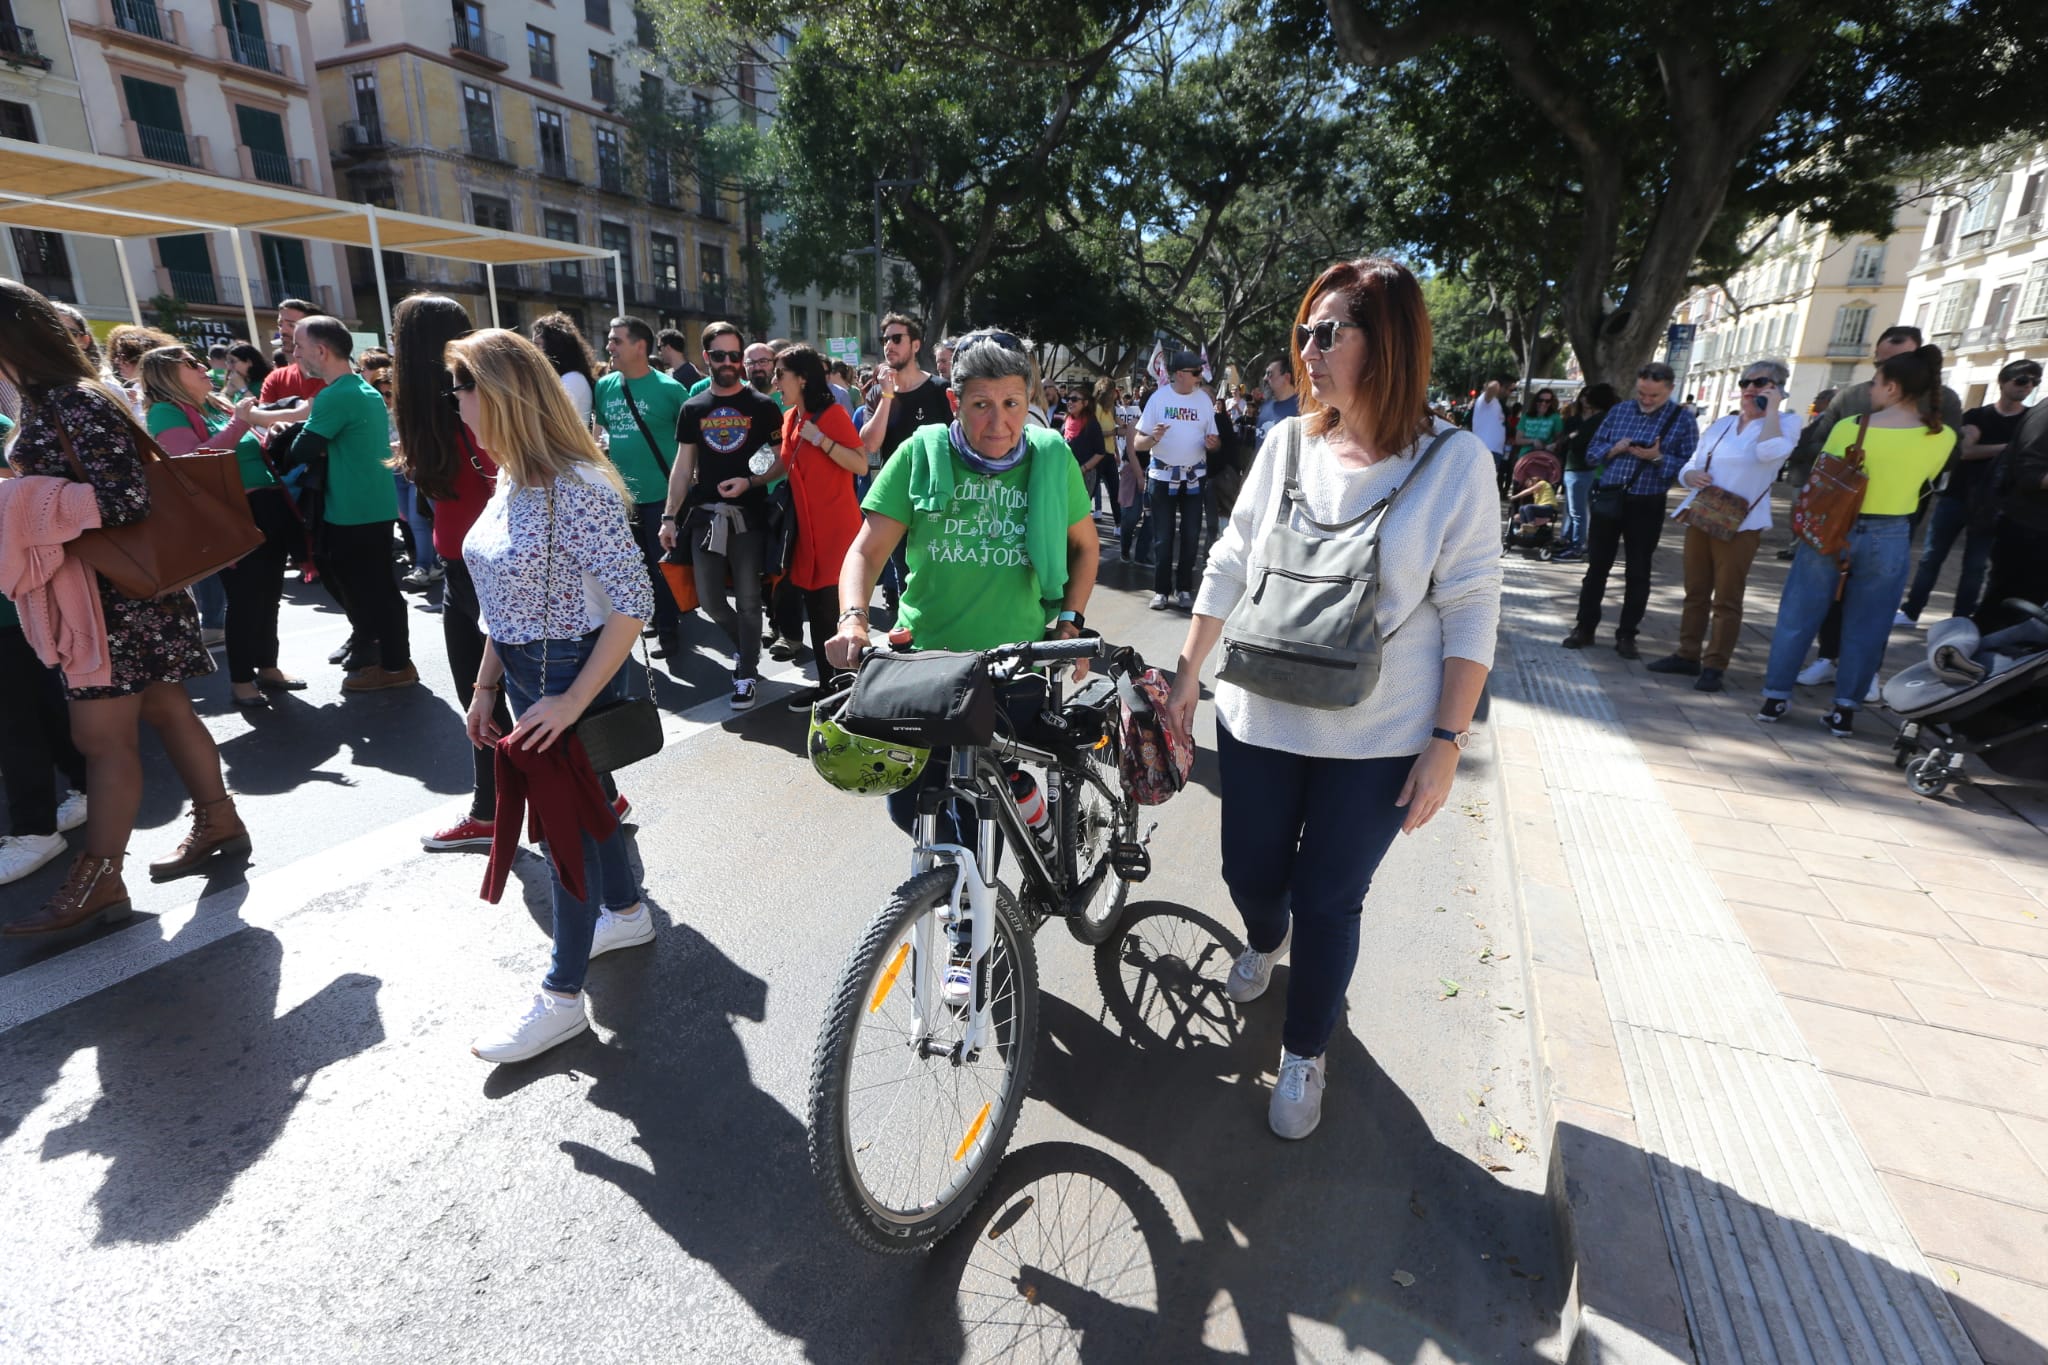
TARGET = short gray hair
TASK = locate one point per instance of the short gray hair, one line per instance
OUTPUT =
(1777, 369)
(984, 354)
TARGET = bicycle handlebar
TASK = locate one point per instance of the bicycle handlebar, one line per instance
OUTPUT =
(1048, 651)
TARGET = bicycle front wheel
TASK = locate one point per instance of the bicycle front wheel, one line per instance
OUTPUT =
(907, 1121)
(1095, 817)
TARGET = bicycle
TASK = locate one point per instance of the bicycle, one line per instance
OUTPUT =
(915, 1088)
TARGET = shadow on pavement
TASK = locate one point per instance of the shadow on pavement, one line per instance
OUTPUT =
(196, 1079)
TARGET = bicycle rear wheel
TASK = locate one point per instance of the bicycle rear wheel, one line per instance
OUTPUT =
(1095, 816)
(906, 1127)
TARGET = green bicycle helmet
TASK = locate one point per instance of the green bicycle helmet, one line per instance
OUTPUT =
(853, 763)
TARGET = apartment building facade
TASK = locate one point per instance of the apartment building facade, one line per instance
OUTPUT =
(1979, 286)
(1812, 297)
(220, 87)
(509, 114)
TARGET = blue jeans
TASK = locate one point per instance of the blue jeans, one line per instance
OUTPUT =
(1176, 518)
(418, 527)
(1951, 518)
(606, 867)
(1578, 499)
(1302, 838)
(1880, 553)
(212, 596)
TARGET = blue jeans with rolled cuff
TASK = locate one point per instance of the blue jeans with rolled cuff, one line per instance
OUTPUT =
(1880, 555)
(1302, 838)
(607, 870)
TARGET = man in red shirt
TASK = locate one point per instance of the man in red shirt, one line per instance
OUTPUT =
(290, 381)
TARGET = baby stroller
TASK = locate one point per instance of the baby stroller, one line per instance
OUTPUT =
(1976, 695)
(1529, 526)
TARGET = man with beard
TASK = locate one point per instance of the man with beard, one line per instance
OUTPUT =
(908, 399)
(638, 404)
(726, 524)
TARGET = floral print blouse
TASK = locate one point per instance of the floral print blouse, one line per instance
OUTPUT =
(529, 592)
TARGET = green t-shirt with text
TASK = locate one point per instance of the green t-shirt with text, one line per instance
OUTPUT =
(255, 469)
(660, 400)
(351, 415)
(971, 583)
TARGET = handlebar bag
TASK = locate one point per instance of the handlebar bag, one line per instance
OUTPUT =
(930, 699)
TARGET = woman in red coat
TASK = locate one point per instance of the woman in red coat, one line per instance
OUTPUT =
(822, 452)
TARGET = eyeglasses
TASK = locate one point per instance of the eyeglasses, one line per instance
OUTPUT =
(898, 338)
(1758, 382)
(987, 338)
(1323, 334)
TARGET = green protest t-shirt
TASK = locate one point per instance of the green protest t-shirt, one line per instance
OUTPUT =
(249, 459)
(971, 582)
(351, 415)
(660, 400)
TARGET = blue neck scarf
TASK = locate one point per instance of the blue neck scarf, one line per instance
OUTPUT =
(980, 464)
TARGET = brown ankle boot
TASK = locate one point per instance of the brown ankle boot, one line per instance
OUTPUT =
(217, 831)
(93, 890)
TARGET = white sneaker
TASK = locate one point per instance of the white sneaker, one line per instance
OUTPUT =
(1253, 971)
(742, 694)
(1159, 601)
(1297, 1104)
(21, 854)
(621, 930)
(1876, 692)
(1901, 621)
(1184, 600)
(71, 812)
(1817, 673)
(548, 1019)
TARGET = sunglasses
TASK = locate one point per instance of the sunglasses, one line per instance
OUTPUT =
(1323, 334)
(988, 338)
(453, 391)
(722, 357)
(2025, 380)
(193, 364)
(1758, 383)
(897, 339)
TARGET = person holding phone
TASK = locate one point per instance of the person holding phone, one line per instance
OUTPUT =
(1740, 453)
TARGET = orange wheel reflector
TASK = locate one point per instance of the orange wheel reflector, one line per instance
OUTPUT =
(888, 981)
(973, 1132)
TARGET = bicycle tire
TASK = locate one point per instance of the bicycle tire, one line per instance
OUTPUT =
(858, 995)
(1081, 806)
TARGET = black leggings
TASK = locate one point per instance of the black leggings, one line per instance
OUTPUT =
(819, 606)
(35, 737)
(462, 631)
(358, 565)
(255, 585)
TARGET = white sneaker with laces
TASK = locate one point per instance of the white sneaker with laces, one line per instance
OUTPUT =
(1297, 1104)
(1901, 621)
(21, 854)
(621, 930)
(1253, 971)
(548, 1019)
(1159, 601)
(1817, 673)
(1184, 600)
(71, 811)
(1875, 693)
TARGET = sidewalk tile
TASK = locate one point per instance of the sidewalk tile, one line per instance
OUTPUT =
(1832, 843)
(1988, 1071)
(1722, 832)
(2032, 1135)
(1852, 1043)
(1886, 952)
(1799, 895)
(1868, 871)
(1990, 904)
(1940, 1141)
(1781, 814)
(1950, 869)
(2007, 1319)
(1782, 933)
(2006, 975)
(1859, 822)
(1953, 1224)
(1837, 986)
(1968, 1011)
(1694, 800)
(1751, 864)
(2031, 875)
(1665, 772)
(2013, 936)
(1911, 911)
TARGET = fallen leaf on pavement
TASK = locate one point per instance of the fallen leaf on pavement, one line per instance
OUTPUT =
(1496, 1166)
(1516, 1142)
(1403, 1278)
(1450, 987)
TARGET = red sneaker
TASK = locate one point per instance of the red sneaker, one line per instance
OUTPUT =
(622, 808)
(470, 833)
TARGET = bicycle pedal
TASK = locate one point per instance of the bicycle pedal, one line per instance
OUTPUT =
(1133, 862)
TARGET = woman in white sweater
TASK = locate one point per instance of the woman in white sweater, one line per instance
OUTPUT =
(1312, 798)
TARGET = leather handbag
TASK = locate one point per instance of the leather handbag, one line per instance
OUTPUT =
(1307, 630)
(1716, 511)
(198, 523)
(1832, 498)
(618, 733)
(929, 699)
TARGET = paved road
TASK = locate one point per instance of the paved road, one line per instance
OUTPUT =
(247, 1125)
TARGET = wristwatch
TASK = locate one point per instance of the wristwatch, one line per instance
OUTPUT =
(1461, 738)
(1070, 614)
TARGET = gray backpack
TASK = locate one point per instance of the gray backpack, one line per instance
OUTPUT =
(1306, 631)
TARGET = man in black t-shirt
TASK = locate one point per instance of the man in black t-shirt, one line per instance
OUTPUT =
(1966, 506)
(717, 503)
(910, 398)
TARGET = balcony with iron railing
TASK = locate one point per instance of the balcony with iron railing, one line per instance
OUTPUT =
(565, 279)
(489, 145)
(251, 51)
(611, 175)
(556, 164)
(143, 19)
(661, 190)
(2022, 228)
(603, 90)
(1936, 251)
(1991, 338)
(204, 289)
(2032, 330)
(169, 145)
(362, 135)
(273, 168)
(18, 47)
(1847, 350)
(1947, 340)
(476, 43)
